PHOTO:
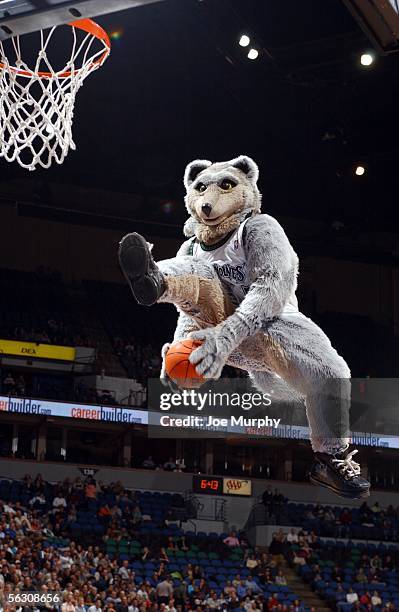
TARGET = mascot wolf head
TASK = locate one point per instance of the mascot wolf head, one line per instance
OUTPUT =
(219, 196)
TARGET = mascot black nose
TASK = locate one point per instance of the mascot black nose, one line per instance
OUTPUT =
(207, 209)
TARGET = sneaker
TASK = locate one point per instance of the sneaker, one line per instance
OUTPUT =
(341, 474)
(140, 270)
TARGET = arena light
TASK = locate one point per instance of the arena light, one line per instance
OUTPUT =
(244, 40)
(116, 34)
(366, 59)
(360, 170)
(253, 54)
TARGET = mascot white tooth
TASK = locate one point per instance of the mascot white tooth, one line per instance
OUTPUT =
(233, 282)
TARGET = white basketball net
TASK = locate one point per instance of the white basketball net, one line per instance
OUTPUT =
(37, 103)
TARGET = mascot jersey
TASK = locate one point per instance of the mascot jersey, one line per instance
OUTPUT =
(229, 259)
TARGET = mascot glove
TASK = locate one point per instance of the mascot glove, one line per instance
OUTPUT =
(214, 351)
(165, 380)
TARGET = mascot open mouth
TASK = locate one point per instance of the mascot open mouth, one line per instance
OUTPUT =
(214, 221)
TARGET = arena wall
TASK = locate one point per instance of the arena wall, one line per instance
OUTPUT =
(180, 482)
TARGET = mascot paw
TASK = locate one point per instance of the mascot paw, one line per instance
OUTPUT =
(164, 378)
(212, 355)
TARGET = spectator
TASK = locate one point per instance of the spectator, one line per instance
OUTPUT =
(136, 516)
(251, 562)
(59, 502)
(297, 606)
(278, 501)
(68, 605)
(251, 585)
(267, 497)
(281, 579)
(272, 602)
(179, 593)
(232, 540)
(164, 591)
(124, 570)
(170, 465)
(91, 489)
(8, 384)
(96, 607)
(105, 511)
(292, 536)
(389, 607)
(148, 463)
(38, 501)
(277, 546)
(361, 576)
(21, 385)
(365, 599)
(351, 596)
(376, 599)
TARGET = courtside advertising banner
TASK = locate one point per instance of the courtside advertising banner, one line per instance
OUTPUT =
(169, 419)
(111, 414)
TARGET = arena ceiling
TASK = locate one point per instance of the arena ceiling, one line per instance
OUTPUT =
(178, 86)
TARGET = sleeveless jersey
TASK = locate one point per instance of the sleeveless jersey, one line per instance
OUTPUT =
(229, 259)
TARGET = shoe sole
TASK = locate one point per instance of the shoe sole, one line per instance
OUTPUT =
(340, 492)
(134, 258)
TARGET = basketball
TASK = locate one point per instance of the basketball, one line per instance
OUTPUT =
(178, 366)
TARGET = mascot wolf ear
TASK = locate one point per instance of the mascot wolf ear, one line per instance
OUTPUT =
(247, 166)
(193, 169)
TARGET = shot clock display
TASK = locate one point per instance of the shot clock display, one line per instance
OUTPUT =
(213, 485)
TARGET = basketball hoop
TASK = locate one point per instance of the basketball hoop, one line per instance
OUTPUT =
(37, 104)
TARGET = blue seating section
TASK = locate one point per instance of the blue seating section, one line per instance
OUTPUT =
(348, 556)
(297, 514)
(154, 504)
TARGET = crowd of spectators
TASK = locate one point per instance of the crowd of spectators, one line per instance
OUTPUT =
(54, 332)
(53, 387)
(13, 384)
(349, 578)
(273, 501)
(341, 524)
(38, 553)
(171, 465)
(136, 558)
(371, 522)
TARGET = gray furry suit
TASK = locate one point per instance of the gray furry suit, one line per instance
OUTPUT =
(234, 281)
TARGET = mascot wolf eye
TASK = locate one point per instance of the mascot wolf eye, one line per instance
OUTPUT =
(227, 185)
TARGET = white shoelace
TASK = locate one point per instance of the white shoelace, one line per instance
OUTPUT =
(347, 466)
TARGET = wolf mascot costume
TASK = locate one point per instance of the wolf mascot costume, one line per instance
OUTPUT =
(233, 282)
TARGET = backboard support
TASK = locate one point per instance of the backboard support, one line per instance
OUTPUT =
(19, 17)
(379, 19)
